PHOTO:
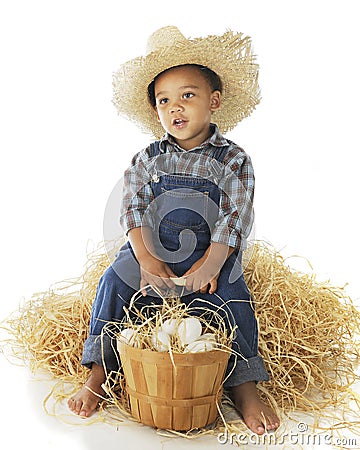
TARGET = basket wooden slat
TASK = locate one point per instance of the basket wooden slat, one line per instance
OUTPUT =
(164, 384)
(181, 394)
(202, 376)
(183, 388)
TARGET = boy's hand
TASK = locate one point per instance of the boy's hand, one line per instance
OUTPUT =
(204, 273)
(155, 272)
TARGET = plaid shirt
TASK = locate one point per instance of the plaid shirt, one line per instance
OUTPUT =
(234, 177)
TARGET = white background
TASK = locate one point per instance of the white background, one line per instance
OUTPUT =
(63, 147)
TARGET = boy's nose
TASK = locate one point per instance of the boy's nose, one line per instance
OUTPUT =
(176, 107)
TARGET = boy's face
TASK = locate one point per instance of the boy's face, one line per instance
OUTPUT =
(184, 104)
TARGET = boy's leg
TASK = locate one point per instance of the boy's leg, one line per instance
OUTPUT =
(243, 372)
(100, 347)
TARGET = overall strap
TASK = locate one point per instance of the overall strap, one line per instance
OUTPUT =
(154, 149)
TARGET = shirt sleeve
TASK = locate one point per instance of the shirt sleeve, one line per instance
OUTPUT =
(236, 214)
(137, 194)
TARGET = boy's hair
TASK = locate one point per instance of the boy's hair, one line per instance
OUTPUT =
(211, 77)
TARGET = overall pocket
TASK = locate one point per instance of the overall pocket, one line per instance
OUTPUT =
(183, 207)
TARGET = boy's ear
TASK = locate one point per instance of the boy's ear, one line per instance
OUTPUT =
(156, 112)
(215, 101)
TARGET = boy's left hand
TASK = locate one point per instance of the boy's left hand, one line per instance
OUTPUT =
(202, 275)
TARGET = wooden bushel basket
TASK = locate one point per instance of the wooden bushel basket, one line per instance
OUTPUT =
(178, 396)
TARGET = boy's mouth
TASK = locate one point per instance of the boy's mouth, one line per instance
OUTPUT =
(179, 123)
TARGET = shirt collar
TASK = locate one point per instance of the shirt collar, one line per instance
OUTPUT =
(216, 139)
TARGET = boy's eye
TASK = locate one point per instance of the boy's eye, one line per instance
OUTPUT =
(163, 101)
(188, 95)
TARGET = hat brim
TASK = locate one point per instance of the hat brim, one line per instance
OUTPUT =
(229, 56)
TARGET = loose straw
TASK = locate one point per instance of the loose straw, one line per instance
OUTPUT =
(308, 334)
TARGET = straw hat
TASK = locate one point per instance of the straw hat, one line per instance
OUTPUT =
(229, 56)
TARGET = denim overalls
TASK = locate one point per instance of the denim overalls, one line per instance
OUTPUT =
(185, 208)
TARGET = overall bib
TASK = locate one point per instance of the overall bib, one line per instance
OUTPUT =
(185, 210)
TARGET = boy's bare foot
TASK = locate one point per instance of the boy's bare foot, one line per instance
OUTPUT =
(257, 415)
(84, 402)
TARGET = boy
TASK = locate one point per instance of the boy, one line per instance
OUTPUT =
(187, 211)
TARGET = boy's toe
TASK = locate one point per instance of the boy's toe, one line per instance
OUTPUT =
(255, 426)
(86, 408)
(78, 406)
(84, 412)
(272, 423)
(71, 404)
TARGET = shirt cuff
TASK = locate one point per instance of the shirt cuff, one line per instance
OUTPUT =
(135, 218)
(227, 236)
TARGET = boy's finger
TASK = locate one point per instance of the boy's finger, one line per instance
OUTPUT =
(163, 281)
(196, 286)
(142, 285)
(168, 283)
(213, 286)
(170, 272)
(160, 281)
(189, 283)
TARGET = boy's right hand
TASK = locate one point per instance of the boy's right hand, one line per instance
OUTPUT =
(155, 272)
